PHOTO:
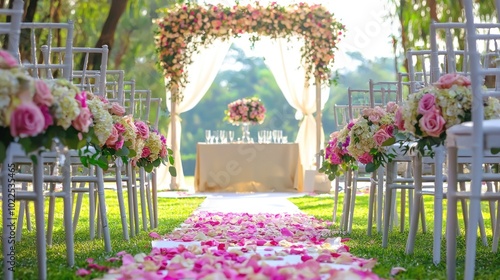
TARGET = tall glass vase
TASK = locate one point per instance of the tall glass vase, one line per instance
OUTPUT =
(245, 130)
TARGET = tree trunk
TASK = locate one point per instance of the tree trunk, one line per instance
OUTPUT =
(124, 47)
(116, 10)
(433, 10)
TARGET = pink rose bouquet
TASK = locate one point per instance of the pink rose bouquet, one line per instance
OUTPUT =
(363, 140)
(428, 113)
(246, 110)
(155, 152)
(336, 157)
(33, 112)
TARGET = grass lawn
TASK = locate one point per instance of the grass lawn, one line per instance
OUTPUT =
(419, 265)
(172, 212)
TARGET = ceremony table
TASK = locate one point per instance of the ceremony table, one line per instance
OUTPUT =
(248, 167)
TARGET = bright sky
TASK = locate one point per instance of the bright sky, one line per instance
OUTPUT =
(368, 30)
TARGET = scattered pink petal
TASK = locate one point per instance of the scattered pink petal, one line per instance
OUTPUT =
(82, 272)
(396, 270)
(154, 235)
(286, 232)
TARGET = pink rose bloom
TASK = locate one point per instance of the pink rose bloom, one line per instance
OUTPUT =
(82, 99)
(83, 121)
(389, 129)
(398, 119)
(43, 96)
(119, 144)
(145, 152)
(48, 120)
(448, 80)
(103, 99)
(26, 120)
(432, 123)
(365, 158)
(426, 104)
(142, 129)
(111, 141)
(120, 128)
(117, 109)
(335, 159)
(7, 61)
(391, 107)
(163, 152)
(381, 136)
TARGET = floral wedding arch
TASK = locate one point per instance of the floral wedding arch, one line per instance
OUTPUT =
(185, 28)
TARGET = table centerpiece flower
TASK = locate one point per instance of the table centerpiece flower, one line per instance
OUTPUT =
(428, 113)
(244, 112)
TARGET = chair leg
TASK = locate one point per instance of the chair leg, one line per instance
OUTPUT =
(335, 200)
(417, 203)
(39, 216)
(78, 206)
(154, 189)
(102, 208)
(23, 208)
(496, 235)
(68, 208)
(121, 202)
(371, 203)
(136, 203)
(52, 205)
(438, 203)
(380, 199)
(354, 190)
(130, 197)
(143, 199)
(451, 216)
(149, 200)
(402, 210)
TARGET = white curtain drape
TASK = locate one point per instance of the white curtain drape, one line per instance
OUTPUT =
(284, 60)
(201, 74)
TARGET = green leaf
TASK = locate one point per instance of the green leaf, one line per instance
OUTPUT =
(370, 167)
(495, 150)
(389, 141)
(172, 171)
(149, 168)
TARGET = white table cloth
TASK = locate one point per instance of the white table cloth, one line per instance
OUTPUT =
(242, 167)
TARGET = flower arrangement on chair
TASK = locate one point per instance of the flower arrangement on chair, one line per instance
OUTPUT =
(363, 140)
(429, 112)
(155, 152)
(247, 110)
(34, 112)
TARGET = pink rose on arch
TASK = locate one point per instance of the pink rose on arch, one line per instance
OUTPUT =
(43, 96)
(398, 119)
(83, 120)
(427, 103)
(366, 158)
(391, 107)
(381, 136)
(448, 80)
(142, 129)
(7, 61)
(432, 123)
(111, 141)
(117, 109)
(145, 152)
(26, 120)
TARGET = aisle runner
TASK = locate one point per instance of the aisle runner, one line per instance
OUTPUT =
(221, 245)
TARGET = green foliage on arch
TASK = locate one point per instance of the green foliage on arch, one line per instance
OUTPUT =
(183, 28)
